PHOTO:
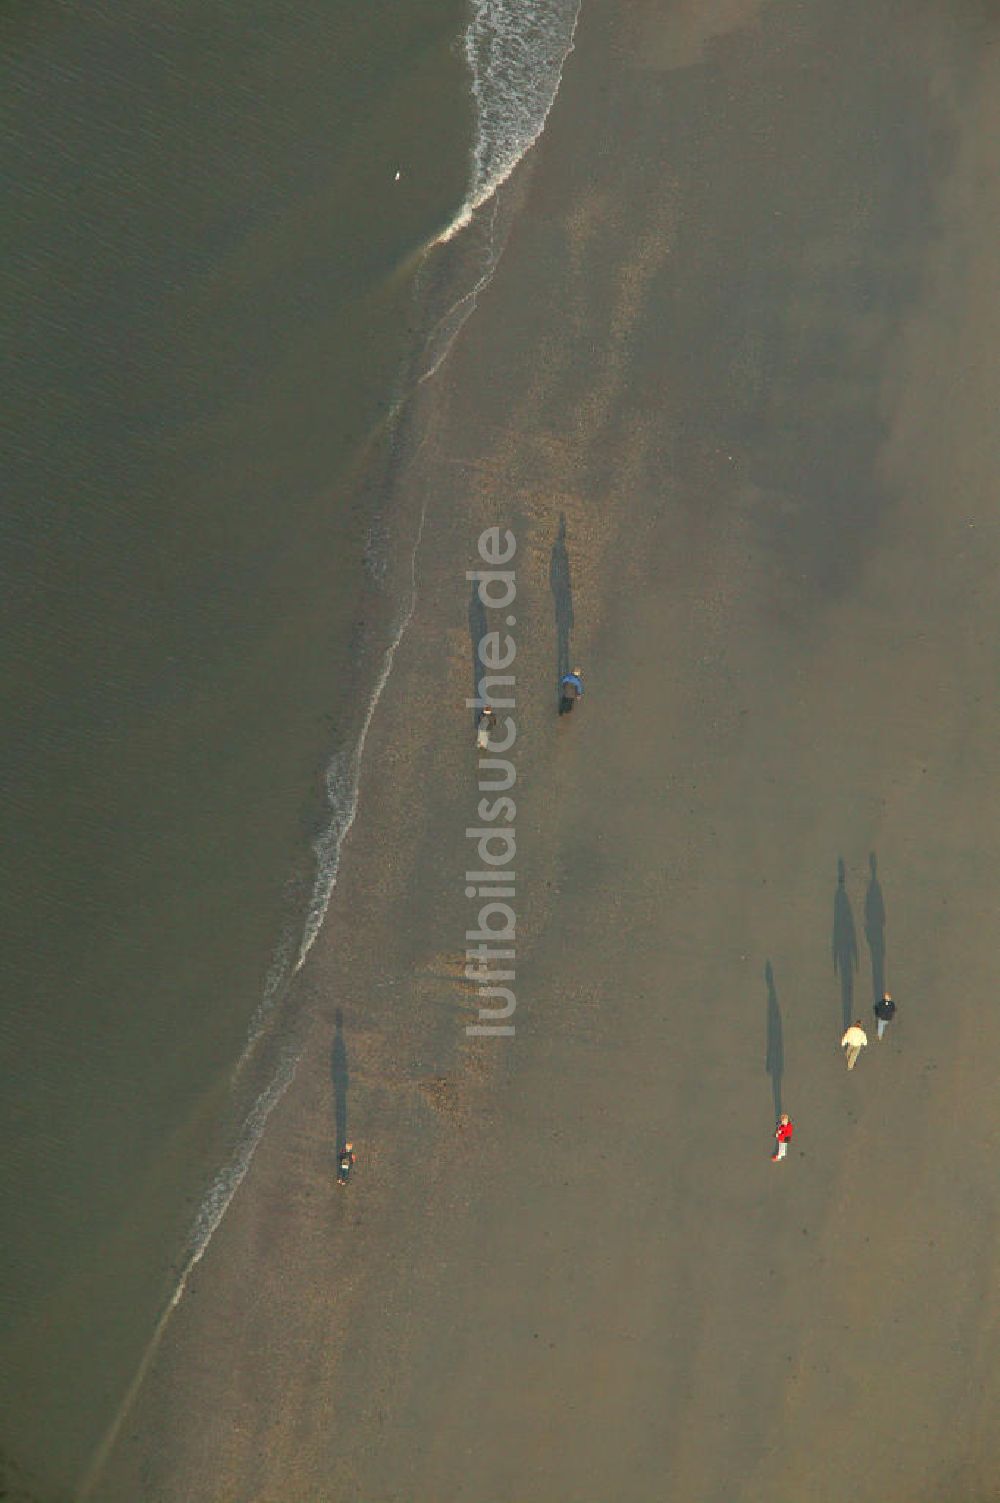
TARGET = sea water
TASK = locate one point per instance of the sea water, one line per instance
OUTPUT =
(217, 229)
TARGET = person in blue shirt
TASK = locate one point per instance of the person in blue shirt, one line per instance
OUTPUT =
(571, 689)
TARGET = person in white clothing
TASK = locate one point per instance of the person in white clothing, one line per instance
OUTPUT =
(854, 1041)
(484, 725)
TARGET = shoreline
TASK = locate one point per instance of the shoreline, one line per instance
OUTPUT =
(279, 1032)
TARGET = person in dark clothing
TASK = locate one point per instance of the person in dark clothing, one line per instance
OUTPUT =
(345, 1163)
(885, 1011)
(571, 689)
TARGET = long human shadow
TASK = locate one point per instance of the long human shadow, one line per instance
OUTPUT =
(875, 928)
(845, 945)
(477, 631)
(341, 1081)
(561, 585)
(774, 1058)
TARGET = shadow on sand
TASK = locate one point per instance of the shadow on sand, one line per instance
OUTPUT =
(477, 631)
(561, 586)
(875, 929)
(774, 1058)
(845, 945)
(341, 1080)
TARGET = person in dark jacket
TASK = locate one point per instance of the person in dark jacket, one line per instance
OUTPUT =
(570, 689)
(885, 1011)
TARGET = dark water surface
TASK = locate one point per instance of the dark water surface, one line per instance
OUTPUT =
(207, 295)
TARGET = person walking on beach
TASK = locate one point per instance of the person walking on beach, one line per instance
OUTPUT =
(484, 725)
(854, 1041)
(345, 1163)
(783, 1136)
(571, 689)
(885, 1011)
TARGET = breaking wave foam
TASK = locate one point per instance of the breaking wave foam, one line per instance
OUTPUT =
(515, 50)
(342, 779)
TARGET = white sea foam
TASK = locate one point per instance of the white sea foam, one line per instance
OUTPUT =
(343, 776)
(515, 50)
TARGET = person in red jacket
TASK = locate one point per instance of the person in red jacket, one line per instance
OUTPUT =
(783, 1135)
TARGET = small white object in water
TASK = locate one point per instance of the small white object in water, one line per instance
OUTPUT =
(397, 176)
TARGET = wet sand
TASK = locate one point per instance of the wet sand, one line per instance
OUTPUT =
(743, 341)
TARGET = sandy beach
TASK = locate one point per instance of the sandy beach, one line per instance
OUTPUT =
(732, 390)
